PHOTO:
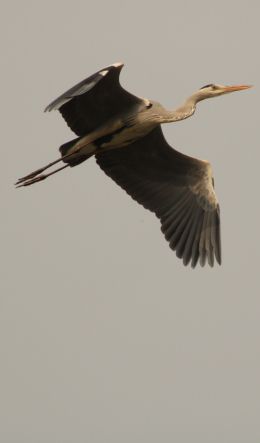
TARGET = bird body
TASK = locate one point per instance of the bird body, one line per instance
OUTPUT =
(125, 129)
(124, 132)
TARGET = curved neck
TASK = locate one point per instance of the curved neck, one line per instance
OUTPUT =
(184, 111)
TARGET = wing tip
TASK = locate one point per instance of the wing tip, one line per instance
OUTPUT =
(64, 98)
(48, 108)
(206, 252)
(118, 64)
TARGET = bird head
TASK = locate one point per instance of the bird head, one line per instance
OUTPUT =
(213, 90)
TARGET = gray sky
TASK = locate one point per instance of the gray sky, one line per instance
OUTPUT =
(105, 337)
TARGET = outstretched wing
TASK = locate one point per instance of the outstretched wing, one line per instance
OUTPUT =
(95, 100)
(177, 188)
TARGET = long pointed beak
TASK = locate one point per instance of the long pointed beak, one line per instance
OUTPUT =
(236, 88)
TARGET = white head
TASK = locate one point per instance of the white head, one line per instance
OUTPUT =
(213, 90)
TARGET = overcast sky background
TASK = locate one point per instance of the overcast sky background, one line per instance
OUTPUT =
(105, 337)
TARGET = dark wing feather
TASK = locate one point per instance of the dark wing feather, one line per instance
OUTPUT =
(94, 101)
(177, 188)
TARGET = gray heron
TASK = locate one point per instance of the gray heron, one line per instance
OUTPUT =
(124, 133)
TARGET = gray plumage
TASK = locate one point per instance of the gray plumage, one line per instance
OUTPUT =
(124, 133)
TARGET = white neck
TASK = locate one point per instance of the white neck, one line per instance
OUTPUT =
(184, 111)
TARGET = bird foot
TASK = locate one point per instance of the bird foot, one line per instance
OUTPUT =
(31, 181)
(29, 176)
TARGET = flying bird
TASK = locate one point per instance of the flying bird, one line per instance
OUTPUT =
(124, 133)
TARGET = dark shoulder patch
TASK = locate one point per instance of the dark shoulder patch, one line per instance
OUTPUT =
(147, 102)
